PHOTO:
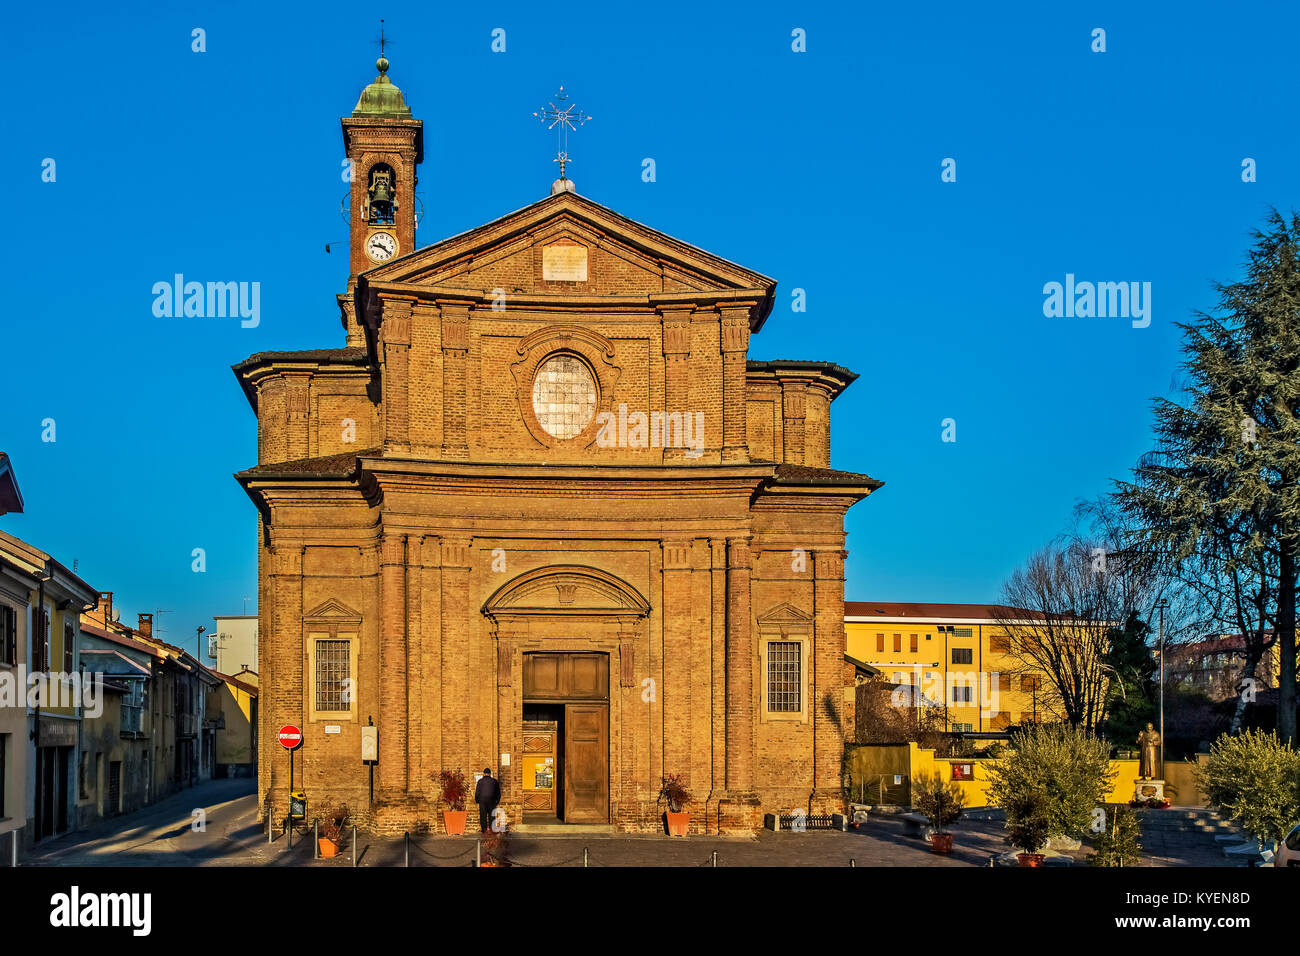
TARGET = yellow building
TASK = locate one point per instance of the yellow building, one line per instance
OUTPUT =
(885, 774)
(40, 692)
(232, 706)
(956, 654)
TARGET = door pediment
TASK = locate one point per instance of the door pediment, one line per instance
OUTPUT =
(566, 590)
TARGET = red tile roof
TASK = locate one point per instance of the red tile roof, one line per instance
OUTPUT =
(922, 611)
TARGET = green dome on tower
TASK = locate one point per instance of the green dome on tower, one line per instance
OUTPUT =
(382, 97)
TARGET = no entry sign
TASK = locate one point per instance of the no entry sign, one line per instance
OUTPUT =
(290, 737)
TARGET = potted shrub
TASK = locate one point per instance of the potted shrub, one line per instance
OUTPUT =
(331, 831)
(1029, 824)
(453, 797)
(1050, 779)
(496, 849)
(678, 798)
(1253, 778)
(940, 802)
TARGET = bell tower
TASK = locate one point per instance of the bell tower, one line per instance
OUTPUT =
(383, 144)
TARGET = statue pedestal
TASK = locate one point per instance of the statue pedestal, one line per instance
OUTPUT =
(1148, 788)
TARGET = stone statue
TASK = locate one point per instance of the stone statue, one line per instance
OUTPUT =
(1148, 740)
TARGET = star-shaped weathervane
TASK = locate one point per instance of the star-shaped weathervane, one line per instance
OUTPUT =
(562, 119)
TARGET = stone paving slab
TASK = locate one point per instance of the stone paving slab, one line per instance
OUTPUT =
(162, 836)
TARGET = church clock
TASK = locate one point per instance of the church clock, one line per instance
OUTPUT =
(381, 246)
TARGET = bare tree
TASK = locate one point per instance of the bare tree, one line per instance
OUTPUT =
(1058, 614)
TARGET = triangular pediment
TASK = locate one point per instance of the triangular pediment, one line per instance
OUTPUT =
(332, 611)
(562, 244)
(785, 614)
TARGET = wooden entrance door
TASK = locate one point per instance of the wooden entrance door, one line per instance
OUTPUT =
(540, 763)
(586, 763)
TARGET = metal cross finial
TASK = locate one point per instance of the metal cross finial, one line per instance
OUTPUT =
(562, 119)
(381, 36)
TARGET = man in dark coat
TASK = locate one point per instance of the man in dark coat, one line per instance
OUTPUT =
(487, 794)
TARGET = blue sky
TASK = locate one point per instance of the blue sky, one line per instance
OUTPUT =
(820, 169)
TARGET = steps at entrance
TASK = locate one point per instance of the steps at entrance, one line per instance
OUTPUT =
(564, 829)
(1186, 820)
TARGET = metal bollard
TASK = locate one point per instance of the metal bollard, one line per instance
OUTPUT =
(852, 863)
(354, 846)
(288, 829)
(584, 857)
(406, 844)
(270, 836)
(315, 850)
(715, 858)
(13, 847)
(478, 853)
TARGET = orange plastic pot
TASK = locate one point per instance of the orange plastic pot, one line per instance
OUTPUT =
(327, 847)
(678, 823)
(941, 842)
(454, 821)
(1030, 859)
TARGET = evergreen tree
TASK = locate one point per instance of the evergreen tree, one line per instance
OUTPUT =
(1130, 699)
(1218, 500)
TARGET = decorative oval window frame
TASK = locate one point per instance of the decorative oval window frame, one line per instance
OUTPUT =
(592, 349)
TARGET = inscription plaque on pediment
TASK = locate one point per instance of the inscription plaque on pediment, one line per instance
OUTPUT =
(564, 262)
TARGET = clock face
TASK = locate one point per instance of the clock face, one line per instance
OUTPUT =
(381, 246)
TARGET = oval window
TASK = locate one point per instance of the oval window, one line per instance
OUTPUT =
(564, 396)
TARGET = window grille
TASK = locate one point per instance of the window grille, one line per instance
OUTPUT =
(8, 635)
(784, 687)
(332, 663)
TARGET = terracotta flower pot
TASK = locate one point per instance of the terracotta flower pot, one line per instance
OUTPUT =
(327, 847)
(1030, 859)
(678, 823)
(941, 842)
(454, 821)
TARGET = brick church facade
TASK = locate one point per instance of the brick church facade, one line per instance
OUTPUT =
(542, 514)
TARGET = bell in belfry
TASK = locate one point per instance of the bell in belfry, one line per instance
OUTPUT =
(382, 199)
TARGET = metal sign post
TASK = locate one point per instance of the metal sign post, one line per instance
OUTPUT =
(290, 738)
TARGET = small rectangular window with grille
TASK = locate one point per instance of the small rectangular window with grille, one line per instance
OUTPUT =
(784, 672)
(333, 659)
(8, 635)
(41, 642)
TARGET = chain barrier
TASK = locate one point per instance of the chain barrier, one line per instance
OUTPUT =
(504, 859)
(436, 856)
